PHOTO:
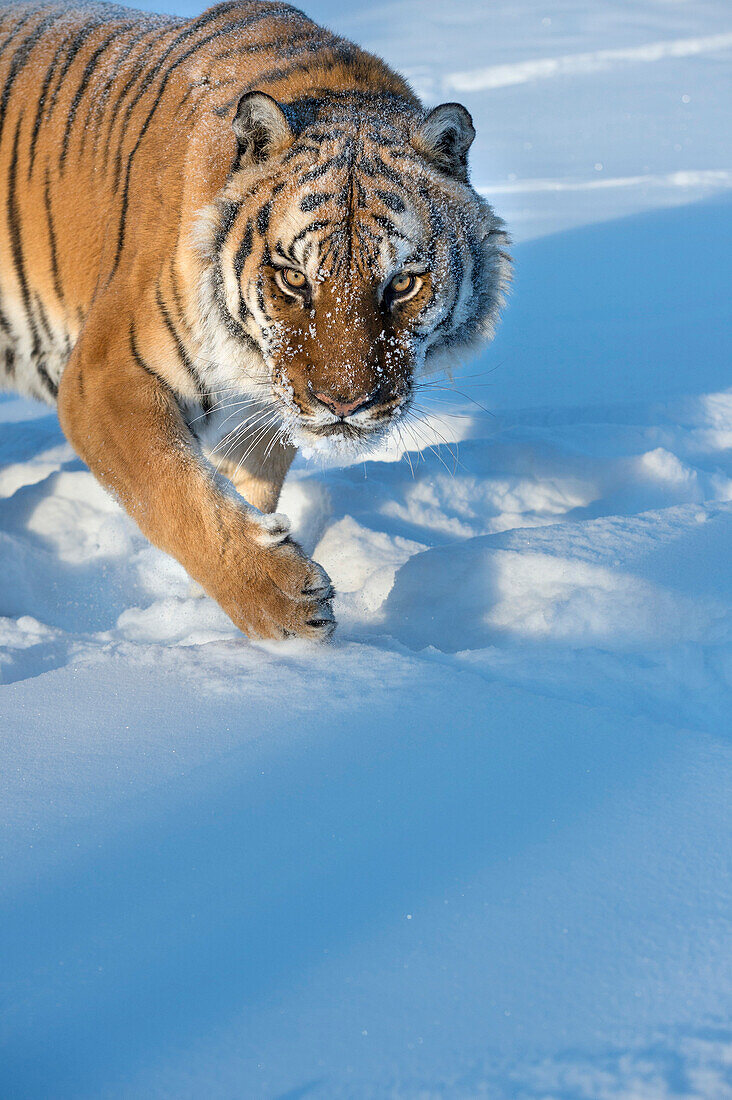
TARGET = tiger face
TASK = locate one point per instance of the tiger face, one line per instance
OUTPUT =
(350, 254)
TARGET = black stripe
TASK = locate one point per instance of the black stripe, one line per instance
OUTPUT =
(141, 362)
(388, 172)
(260, 299)
(296, 54)
(388, 226)
(233, 326)
(313, 227)
(45, 324)
(86, 77)
(206, 401)
(205, 398)
(368, 244)
(18, 28)
(457, 270)
(5, 324)
(315, 173)
(484, 290)
(180, 347)
(362, 196)
(229, 210)
(13, 216)
(331, 134)
(296, 150)
(20, 57)
(263, 216)
(40, 107)
(243, 251)
(10, 362)
(314, 200)
(379, 167)
(212, 14)
(19, 263)
(176, 294)
(57, 283)
(392, 201)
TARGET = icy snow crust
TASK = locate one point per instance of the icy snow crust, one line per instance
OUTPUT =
(481, 845)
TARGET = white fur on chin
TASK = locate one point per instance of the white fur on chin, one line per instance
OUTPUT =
(337, 447)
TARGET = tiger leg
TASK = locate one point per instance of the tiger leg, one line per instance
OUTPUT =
(256, 467)
(125, 423)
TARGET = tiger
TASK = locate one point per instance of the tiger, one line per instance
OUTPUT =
(225, 239)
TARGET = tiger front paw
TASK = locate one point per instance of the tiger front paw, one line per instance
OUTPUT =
(279, 592)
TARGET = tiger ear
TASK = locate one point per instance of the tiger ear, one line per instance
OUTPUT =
(445, 137)
(260, 127)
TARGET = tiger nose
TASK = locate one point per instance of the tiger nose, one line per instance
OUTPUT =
(344, 408)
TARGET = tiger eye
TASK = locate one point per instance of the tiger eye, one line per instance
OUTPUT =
(402, 284)
(293, 278)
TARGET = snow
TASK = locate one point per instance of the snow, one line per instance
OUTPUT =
(480, 846)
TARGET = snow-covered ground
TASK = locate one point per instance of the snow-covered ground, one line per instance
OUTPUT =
(481, 845)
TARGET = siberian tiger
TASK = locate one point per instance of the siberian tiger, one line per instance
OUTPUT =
(224, 238)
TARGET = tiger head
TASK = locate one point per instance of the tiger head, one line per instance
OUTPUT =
(349, 254)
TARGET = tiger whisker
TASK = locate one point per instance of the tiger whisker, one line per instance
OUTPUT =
(467, 398)
(424, 413)
(405, 450)
(239, 431)
(425, 410)
(436, 452)
(238, 408)
(221, 407)
(434, 416)
(261, 433)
